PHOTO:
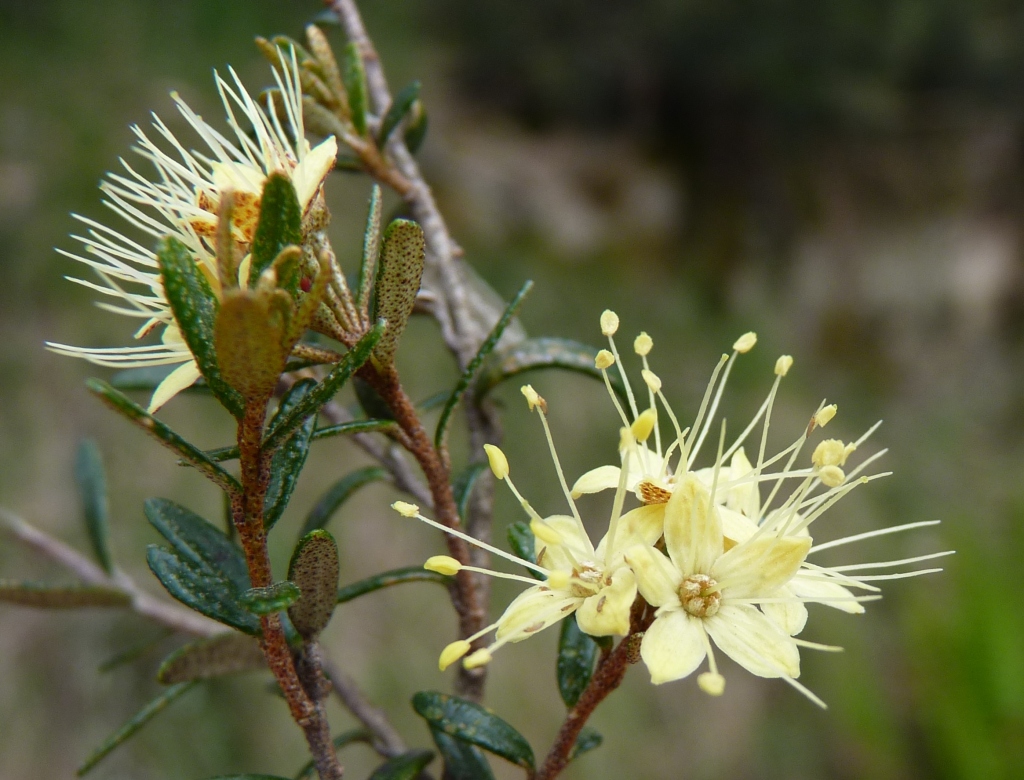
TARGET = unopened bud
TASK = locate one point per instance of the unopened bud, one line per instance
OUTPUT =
(604, 359)
(609, 322)
(405, 509)
(453, 653)
(783, 364)
(746, 342)
(643, 344)
(442, 564)
(496, 458)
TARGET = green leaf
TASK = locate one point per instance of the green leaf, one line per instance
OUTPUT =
(370, 401)
(203, 570)
(354, 76)
(472, 723)
(140, 719)
(195, 310)
(356, 426)
(340, 492)
(197, 588)
(462, 761)
(92, 485)
(520, 539)
(403, 767)
(387, 579)
(587, 740)
(481, 354)
(308, 772)
(398, 280)
(252, 340)
(577, 653)
(289, 458)
(204, 659)
(416, 127)
(311, 402)
(397, 110)
(314, 568)
(543, 353)
(149, 378)
(273, 598)
(371, 249)
(462, 487)
(47, 596)
(280, 225)
(121, 404)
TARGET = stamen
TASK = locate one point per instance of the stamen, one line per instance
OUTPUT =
(870, 534)
(542, 410)
(887, 564)
(692, 453)
(685, 446)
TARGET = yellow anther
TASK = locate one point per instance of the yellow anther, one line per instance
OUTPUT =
(442, 564)
(652, 380)
(496, 458)
(644, 425)
(481, 657)
(746, 342)
(609, 322)
(711, 683)
(405, 509)
(830, 452)
(545, 532)
(626, 439)
(822, 418)
(453, 653)
(833, 476)
(558, 579)
(533, 398)
(643, 344)
(783, 364)
(604, 359)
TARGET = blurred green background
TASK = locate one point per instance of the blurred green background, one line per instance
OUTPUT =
(843, 178)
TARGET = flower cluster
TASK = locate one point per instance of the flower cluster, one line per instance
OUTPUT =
(182, 201)
(717, 565)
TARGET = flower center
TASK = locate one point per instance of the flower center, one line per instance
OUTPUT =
(650, 493)
(697, 596)
(586, 580)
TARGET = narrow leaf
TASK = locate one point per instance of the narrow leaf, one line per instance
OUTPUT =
(134, 652)
(47, 596)
(587, 740)
(273, 598)
(462, 487)
(195, 310)
(308, 772)
(485, 349)
(279, 225)
(397, 110)
(472, 723)
(314, 568)
(520, 539)
(387, 579)
(577, 653)
(199, 589)
(310, 403)
(288, 460)
(462, 761)
(356, 426)
(92, 485)
(403, 767)
(227, 653)
(140, 719)
(370, 400)
(120, 403)
(371, 249)
(398, 281)
(543, 353)
(416, 127)
(340, 492)
(355, 85)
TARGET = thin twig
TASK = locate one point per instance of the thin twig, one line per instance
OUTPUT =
(386, 739)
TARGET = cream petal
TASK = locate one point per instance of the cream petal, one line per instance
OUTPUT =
(657, 579)
(813, 588)
(607, 613)
(745, 498)
(596, 480)
(533, 610)
(315, 166)
(753, 641)
(673, 646)
(643, 525)
(573, 539)
(176, 381)
(693, 532)
(759, 566)
(735, 527)
(790, 616)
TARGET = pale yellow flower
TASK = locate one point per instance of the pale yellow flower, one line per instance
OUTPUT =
(181, 199)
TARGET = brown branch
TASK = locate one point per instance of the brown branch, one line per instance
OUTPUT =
(611, 669)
